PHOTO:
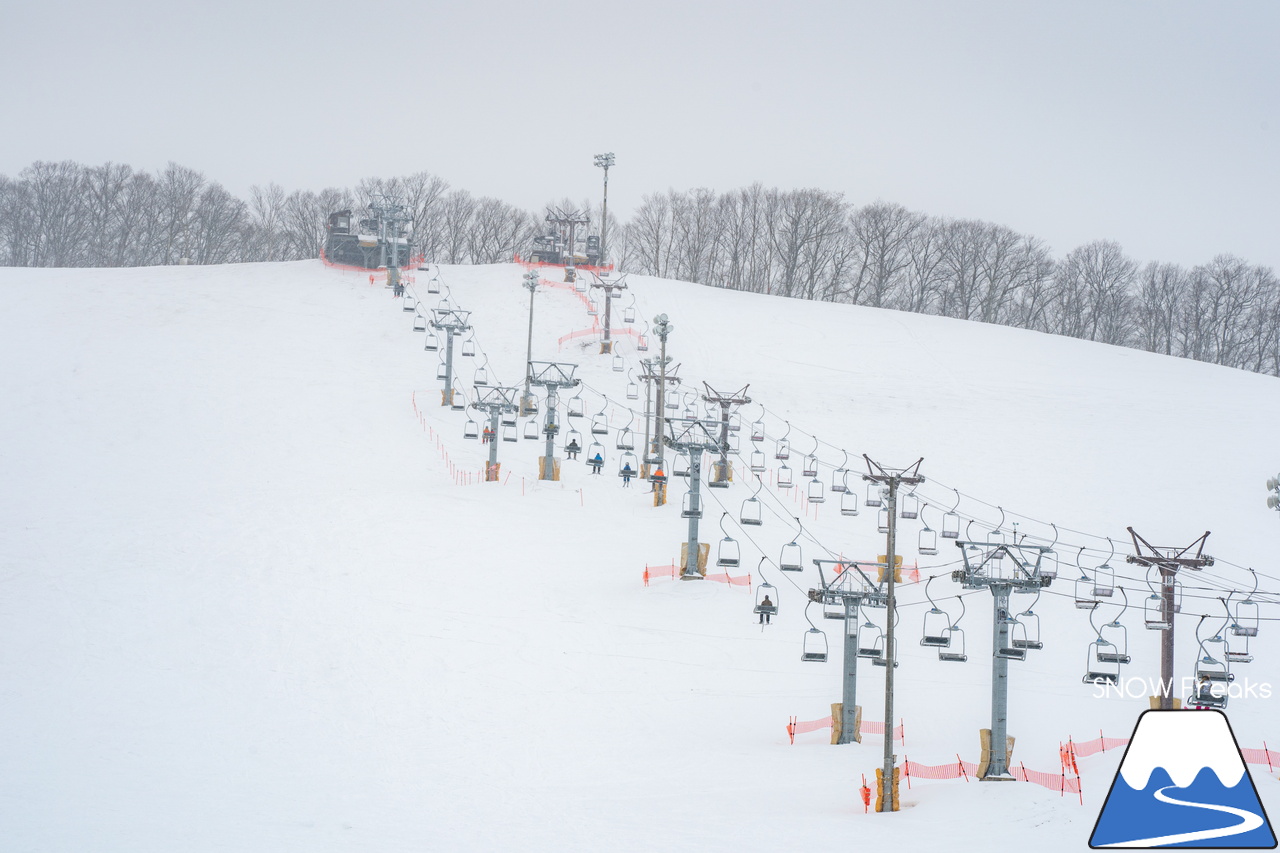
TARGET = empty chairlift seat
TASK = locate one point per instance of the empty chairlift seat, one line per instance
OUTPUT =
(815, 646)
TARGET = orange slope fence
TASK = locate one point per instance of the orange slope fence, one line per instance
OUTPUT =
(672, 571)
(870, 727)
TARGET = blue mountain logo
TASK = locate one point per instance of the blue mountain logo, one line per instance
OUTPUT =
(1183, 783)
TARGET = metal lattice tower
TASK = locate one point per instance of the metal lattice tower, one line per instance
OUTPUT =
(452, 322)
(611, 290)
(1002, 568)
(1168, 561)
(552, 375)
(852, 588)
(496, 401)
(692, 437)
(722, 471)
(892, 479)
(604, 161)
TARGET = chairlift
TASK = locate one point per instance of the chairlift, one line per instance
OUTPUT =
(626, 439)
(757, 431)
(459, 401)
(432, 343)
(1009, 651)
(408, 303)
(882, 520)
(782, 450)
(1100, 670)
(629, 314)
(672, 403)
(600, 424)
(884, 658)
(815, 493)
(870, 643)
(1104, 581)
(592, 309)
(735, 422)
(728, 553)
(419, 323)
(442, 371)
(784, 476)
(791, 558)
(471, 429)
(531, 429)
(628, 460)
(873, 495)
(749, 515)
(936, 623)
(481, 376)
(680, 466)
(1084, 593)
(642, 344)
(927, 543)
(1026, 633)
(580, 285)
(469, 347)
(507, 418)
(1153, 613)
(509, 433)
(575, 406)
(692, 505)
(909, 506)
(766, 590)
(1246, 617)
(815, 646)
(811, 462)
(1116, 639)
(849, 502)
(757, 463)
(619, 364)
(951, 520)
(633, 391)
(433, 286)
(953, 652)
(595, 449)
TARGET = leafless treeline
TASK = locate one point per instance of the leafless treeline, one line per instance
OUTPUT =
(808, 244)
(811, 244)
(69, 215)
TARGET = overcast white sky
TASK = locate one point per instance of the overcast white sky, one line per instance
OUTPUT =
(1152, 123)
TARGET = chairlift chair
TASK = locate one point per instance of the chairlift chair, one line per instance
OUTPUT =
(757, 463)
(763, 591)
(642, 344)
(1026, 633)
(728, 554)
(680, 466)
(810, 466)
(628, 314)
(1245, 623)
(692, 507)
(592, 309)
(1084, 593)
(1210, 669)
(633, 391)
(419, 323)
(953, 652)
(408, 303)
(890, 655)
(595, 449)
(469, 348)
(1100, 671)
(1104, 581)
(672, 404)
(628, 460)
(1049, 565)
(838, 483)
(481, 376)
(833, 607)
(433, 286)
(442, 371)
(575, 407)
(757, 431)
(459, 402)
(432, 343)
(791, 559)
(815, 493)
(870, 643)
(784, 477)
(815, 646)
(927, 544)
(471, 429)
(782, 450)
(531, 429)
(507, 418)
(873, 495)
(936, 623)
(909, 506)
(882, 520)
(509, 433)
(626, 439)
(619, 364)
(749, 515)
(1010, 651)
(1116, 639)
(1153, 613)
(600, 424)
(849, 502)
(1205, 698)
(950, 525)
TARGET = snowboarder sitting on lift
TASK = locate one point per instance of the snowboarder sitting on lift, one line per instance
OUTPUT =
(487, 436)
(626, 474)
(766, 609)
(572, 448)
(596, 462)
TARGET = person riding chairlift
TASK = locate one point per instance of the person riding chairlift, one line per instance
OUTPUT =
(572, 448)
(766, 610)
(597, 462)
(626, 474)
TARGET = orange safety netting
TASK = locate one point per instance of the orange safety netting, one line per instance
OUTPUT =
(961, 769)
(672, 570)
(871, 727)
(1262, 756)
(542, 264)
(413, 262)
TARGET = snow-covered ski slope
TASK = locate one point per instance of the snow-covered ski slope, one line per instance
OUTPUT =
(245, 606)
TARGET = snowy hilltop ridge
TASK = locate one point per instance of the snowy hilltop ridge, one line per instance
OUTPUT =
(1183, 744)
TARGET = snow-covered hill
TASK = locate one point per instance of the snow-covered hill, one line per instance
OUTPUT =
(245, 604)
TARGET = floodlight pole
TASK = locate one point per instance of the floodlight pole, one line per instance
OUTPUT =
(531, 279)
(1168, 561)
(664, 328)
(604, 161)
(893, 479)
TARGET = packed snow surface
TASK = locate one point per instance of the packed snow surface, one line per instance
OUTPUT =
(252, 599)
